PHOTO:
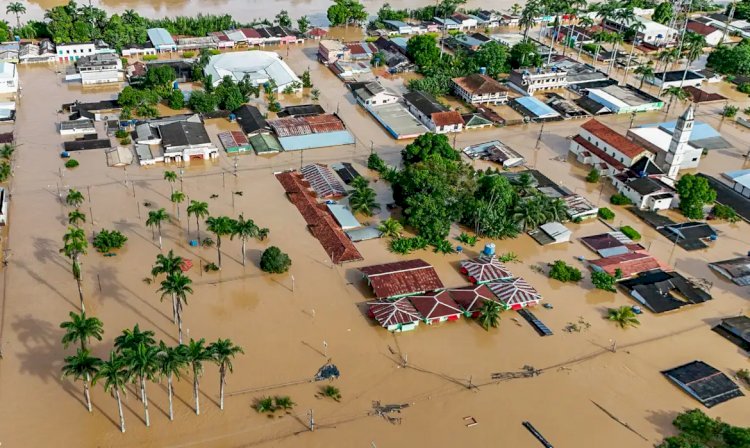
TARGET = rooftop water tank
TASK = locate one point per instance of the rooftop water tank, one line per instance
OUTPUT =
(482, 70)
(489, 249)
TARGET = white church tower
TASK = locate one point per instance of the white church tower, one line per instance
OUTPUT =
(677, 156)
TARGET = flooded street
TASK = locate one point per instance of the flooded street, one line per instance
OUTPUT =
(282, 321)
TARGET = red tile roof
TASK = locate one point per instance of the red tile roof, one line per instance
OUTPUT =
(471, 298)
(611, 137)
(317, 32)
(614, 163)
(250, 33)
(700, 28)
(631, 263)
(401, 278)
(447, 118)
(701, 96)
(435, 306)
(336, 244)
(479, 84)
(395, 312)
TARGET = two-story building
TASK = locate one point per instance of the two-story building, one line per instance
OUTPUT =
(330, 51)
(600, 146)
(432, 114)
(73, 51)
(530, 81)
(96, 69)
(372, 94)
(478, 88)
(8, 77)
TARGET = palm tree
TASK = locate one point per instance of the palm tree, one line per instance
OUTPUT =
(130, 339)
(16, 8)
(75, 245)
(167, 264)
(515, 9)
(362, 200)
(5, 170)
(115, 376)
(74, 198)
(245, 230)
(200, 210)
(530, 12)
(692, 46)
(489, 314)
(81, 329)
(555, 208)
(82, 366)
(646, 71)
(633, 29)
(530, 213)
(196, 353)
(155, 218)
(668, 56)
(674, 92)
(523, 184)
(222, 353)
(177, 198)
(6, 152)
(142, 363)
(390, 228)
(171, 362)
(220, 226)
(171, 177)
(178, 286)
(623, 316)
(76, 217)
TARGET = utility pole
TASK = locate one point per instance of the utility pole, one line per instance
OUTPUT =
(539, 138)
(312, 420)
(632, 119)
(325, 349)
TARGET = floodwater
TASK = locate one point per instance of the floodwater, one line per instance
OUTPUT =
(283, 321)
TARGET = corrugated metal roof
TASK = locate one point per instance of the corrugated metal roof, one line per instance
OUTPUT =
(160, 37)
(343, 216)
(311, 141)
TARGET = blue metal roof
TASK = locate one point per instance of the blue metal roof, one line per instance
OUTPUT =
(400, 41)
(396, 23)
(537, 107)
(160, 37)
(310, 141)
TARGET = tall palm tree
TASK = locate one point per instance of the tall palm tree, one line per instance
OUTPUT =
(674, 92)
(75, 245)
(130, 339)
(82, 366)
(362, 200)
(633, 29)
(530, 12)
(167, 264)
(668, 56)
(220, 226)
(142, 363)
(16, 8)
(115, 376)
(489, 314)
(222, 352)
(390, 228)
(177, 198)
(171, 177)
(523, 184)
(196, 354)
(555, 209)
(244, 229)
(692, 47)
(178, 286)
(200, 210)
(155, 218)
(623, 316)
(530, 213)
(74, 198)
(81, 329)
(172, 361)
(646, 71)
(76, 217)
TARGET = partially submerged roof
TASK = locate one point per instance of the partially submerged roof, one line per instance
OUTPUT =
(424, 102)
(705, 383)
(396, 312)
(314, 124)
(401, 278)
(363, 234)
(737, 330)
(346, 171)
(612, 243)
(515, 293)
(472, 298)
(183, 133)
(323, 181)
(479, 84)
(301, 110)
(663, 291)
(343, 216)
(435, 305)
(485, 269)
(631, 263)
(250, 119)
(736, 270)
(536, 108)
(613, 138)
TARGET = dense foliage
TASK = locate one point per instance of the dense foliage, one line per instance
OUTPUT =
(725, 212)
(564, 272)
(734, 60)
(606, 213)
(630, 233)
(345, 12)
(602, 280)
(593, 176)
(106, 240)
(524, 54)
(695, 192)
(620, 199)
(274, 261)
(698, 430)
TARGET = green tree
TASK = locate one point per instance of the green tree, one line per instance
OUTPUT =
(282, 18)
(223, 352)
(74, 198)
(229, 95)
(663, 13)
(130, 339)
(493, 57)
(5, 170)
(390, 228)
(593, 176)
(75, 245)
(81, 329)
(529, 14)
(695, 192)
(176, 99)
(315, 95)
(155, 218)
(115, 376)
(363, 200)
(623, 316)
(172, 361)
(423, 50)
(196, 354)
(6, 152)
(220, 226)
(199, 210)
(142, 363)
(426, 145)
(244, 229)
(725, 212)
(489, 314)
(646, 71)
(306, 81)
(76, 217)
(82, 366)
(16, 8)
(274, 261)
(171, 177)
(692, 46)
(160, 76)
(177, 285)
(177, 198)
(106, 240)
(674, 92)
(604, 281)
(167, 264)
(202, 102)
(563, 272)
(345, 12)
(524, 54)
(303, 24)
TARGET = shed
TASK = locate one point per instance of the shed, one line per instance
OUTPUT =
(235, 141)
(265, 144)
(737, 330)
(83, 145)
(323, 181)
(737, 270)
(343, 216)
(436, 307)
(363, 234)
(704, 383)
(535, 109)
(484, 269)
(397, 315)
(346, 171)
(401, 278)
(251, 120)
(472, 298)
(551, 233)
(515, 294)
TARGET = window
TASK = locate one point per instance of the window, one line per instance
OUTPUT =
(694, 159)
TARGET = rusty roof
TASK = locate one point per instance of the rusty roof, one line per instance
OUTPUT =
(478, 84)
(613, 138)
(316, 124)
(435, 305)
(471, 298)
(447, 118)
(630, 263)
(402, 277)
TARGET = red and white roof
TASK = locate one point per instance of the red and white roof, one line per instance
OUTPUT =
(435, 305)
(485, 269)
(396, 312)
(515, 293)
(472, 298)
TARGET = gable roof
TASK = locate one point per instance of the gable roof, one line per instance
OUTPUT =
(654, 289)
(447, 118)
(516, 292)
(700, 28)
(613, 138)
(737, 330)
(630, 263)
(484, 269)
(479, 84)
(323, 181)
(401, 278)
(705, 383)
(424, 102)
(183, 133)
(250, 119)
(736, 269)
(436, 305)
(395, 312)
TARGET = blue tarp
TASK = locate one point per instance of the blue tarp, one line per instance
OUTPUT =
(310, 141)
(537, 107)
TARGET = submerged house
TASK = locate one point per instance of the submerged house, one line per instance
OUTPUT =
(472, 298)
(704, 383)
(436, 307)
(515, 294)
(401, 278)
(397, 315)
(485, 269)
(663, 291)
(628, 264)
(737, 330)
(737, 270)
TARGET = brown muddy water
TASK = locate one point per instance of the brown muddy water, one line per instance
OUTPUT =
(282, 321)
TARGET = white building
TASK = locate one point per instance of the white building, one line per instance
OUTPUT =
(712, 34)
(646, 193)
(97, 69)
(74, 51)
(530, 81)
(653, 33)
(432, 114)
(260, 67)
(184, 141)
(373, 94)
(676, 78)
(8, 77)
(600, 146)
(480, 89)
(740, 181)
(44, 51)
(680, 155)
(77, 127)
(3, 207)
